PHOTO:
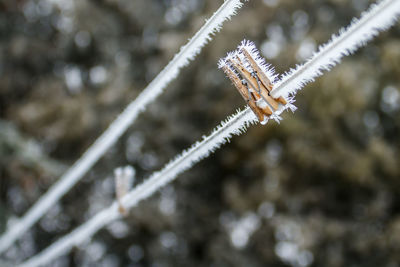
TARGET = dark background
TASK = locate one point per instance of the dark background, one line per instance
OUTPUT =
(320, 189)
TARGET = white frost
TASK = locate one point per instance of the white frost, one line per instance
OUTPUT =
(378, 18)
(119, 126)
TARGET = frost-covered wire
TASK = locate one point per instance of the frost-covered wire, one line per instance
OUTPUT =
(119, 126)
(377, 18)
(236, 124)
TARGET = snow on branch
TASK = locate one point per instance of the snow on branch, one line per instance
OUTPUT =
(123, 121)
(381, 16)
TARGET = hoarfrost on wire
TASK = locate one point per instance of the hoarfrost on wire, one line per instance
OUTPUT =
(187, 53)
(378, 18)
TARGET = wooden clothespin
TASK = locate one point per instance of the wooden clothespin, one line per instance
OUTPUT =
(124, 178)
(249, 73)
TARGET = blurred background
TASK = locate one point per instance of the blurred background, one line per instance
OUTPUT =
(320, 189)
